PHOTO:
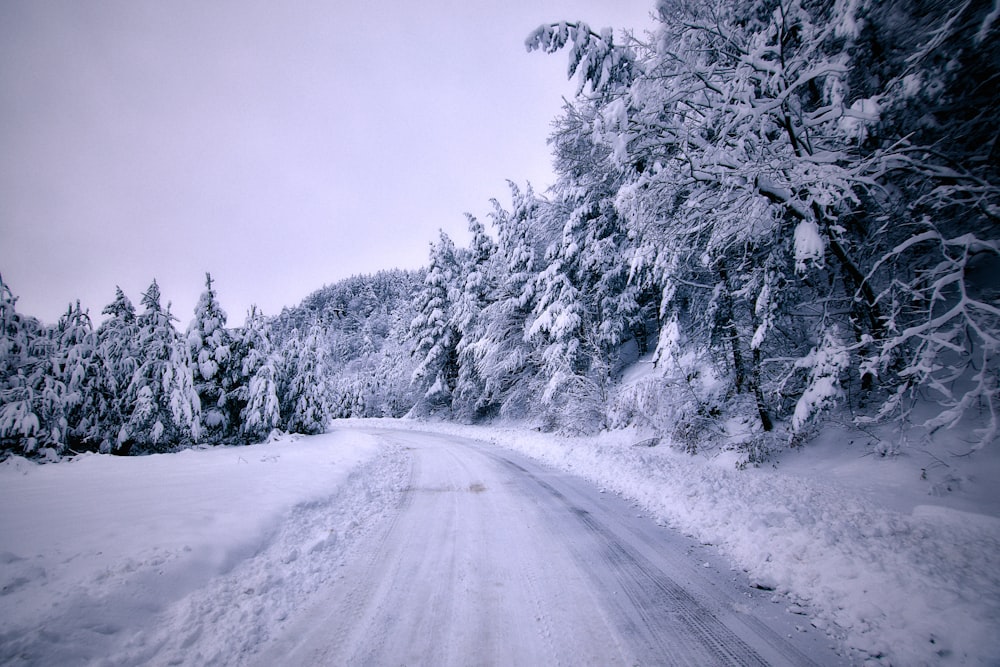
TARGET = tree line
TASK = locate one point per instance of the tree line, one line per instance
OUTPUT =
(135, 384)
(796, 200)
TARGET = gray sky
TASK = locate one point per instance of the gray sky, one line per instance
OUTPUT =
(281, 145)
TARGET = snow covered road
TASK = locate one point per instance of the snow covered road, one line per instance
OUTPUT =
(383, 542)
(490, 558)
(368, 545)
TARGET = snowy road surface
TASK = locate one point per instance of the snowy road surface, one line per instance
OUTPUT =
(491, 559)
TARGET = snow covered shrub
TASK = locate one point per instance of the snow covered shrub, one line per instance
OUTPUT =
(682, 398)
(643, 403)
(825, 365)
(575, 404)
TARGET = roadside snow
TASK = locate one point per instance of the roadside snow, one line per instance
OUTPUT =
(187, 557)
(900, 569)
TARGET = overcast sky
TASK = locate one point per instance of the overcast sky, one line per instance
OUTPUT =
(281, 145)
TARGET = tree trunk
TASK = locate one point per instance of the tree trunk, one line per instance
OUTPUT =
(744, 380)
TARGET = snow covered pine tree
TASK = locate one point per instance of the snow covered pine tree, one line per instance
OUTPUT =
(209, 345)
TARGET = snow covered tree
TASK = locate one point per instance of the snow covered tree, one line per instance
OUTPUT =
(433, 329)
(477, 278)
(45, 378)
(559, 327)
(118, 349)
(20, 426)
(162, 409)
(762, 155)
(305, 401)
(48, 390)
(209, 346)
(257, 392)
(928, 83)
(587, 306)
(53, 390)
(89, 389)
(505, 360)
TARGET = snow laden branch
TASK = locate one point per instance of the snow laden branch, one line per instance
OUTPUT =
(749, 154)
(944, 323)
(594, 57)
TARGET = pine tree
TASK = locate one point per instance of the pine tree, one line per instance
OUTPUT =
(50, 394)
(118, 348)
(307, 397)
(209, 345)
(20, 425)
(433, 328)
(505, 360)
(82, 372)
(477, 287)
(162, 409)
(257, 392)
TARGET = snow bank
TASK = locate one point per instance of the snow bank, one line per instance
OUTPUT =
(890, 571)
(186, 557)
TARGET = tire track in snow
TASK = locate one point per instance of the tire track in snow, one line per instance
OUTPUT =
(227, 621)
(487, 563)
(669, 617)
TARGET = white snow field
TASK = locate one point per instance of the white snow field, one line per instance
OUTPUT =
(397, 542)
(187, 558)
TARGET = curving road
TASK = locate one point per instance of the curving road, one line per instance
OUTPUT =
(491, 559)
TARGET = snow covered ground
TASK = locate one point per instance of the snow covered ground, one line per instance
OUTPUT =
(184, 558)
(896, 567)
(496, 559)
(196, 557)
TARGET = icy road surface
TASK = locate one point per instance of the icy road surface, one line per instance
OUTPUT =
(492, 559)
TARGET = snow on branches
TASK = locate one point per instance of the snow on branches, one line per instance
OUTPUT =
(766, 144)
